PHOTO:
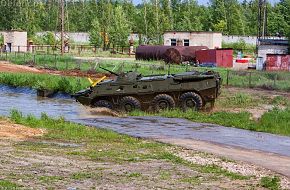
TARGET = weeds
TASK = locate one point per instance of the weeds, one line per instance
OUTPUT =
(44, 81)
(272, 183)
(4, 184)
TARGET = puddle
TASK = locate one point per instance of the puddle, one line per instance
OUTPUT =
(26, 101)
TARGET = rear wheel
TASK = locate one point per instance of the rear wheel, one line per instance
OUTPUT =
(163, 102)
(190, 100)
(129, 103)
(103, 104)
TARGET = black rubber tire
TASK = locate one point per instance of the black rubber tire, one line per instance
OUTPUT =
(103, 104)
(163, 102)
(129, 103)
(191, 100)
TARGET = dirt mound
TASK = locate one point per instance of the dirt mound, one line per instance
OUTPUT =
(7, 67)
(17, 132)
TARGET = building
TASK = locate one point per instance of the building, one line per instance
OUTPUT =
(270, 46)
(14, 41)
(190, 38)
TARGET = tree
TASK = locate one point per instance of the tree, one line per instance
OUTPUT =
(49, 39)
(235, 20)
(1, 40)
(221, 26)
(219, 16)
(119, 29)
(95, 33)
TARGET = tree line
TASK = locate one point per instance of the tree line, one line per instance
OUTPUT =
(115, 19)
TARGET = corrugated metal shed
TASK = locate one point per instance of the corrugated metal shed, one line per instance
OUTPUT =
(215, 57)
(278, 62)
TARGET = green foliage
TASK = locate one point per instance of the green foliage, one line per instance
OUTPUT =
(221, 26)
(4, 184)
(49, 39)
(240, 100)
(1, 39)
(241, 45)
(119, 28)
(149, 18)
(272, 183)
(95, 33)
(44, 81)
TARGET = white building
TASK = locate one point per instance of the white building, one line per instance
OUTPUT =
(272, 46)
(190, 38)
(15, 41)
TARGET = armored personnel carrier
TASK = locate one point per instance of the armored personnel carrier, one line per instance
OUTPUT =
(130, 91)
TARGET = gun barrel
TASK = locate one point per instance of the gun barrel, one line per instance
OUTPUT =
(109, 71)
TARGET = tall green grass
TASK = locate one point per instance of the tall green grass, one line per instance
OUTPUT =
(44, 81)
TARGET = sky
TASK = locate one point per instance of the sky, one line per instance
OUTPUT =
(202, 2)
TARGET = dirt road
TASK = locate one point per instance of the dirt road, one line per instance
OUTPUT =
(13, 68)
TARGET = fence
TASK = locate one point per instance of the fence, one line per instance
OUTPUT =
(251, 79)
(77, 50)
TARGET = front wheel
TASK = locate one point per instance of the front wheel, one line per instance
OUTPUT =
(129, 103)
(191, 101)
(103, 104)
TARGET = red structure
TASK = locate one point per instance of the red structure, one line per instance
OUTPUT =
(215, 57)
(278, 62)
(170, 54)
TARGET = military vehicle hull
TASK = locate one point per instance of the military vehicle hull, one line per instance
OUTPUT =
(191, 90)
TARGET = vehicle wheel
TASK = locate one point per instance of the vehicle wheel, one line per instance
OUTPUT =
(163, 102)
(103, 104)
(129, 103)
(191, 100)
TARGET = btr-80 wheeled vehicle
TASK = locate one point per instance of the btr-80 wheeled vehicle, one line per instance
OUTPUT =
(130, 91)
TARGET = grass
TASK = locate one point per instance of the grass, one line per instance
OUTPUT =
(275, 121)
(4, 184)
(238, 100)
(46, 81)
(106, 146)
(272, 183)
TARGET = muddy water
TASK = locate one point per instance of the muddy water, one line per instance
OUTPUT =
(26, 101)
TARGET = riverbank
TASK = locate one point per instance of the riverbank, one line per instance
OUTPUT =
(68, 155)
(251, 109)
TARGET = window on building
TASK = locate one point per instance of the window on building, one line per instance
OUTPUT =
(173, 42)
(186, 42)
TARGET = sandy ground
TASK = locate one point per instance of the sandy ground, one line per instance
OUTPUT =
(17, 132)
(13, 68)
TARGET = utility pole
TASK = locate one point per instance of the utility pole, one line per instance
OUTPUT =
(262, 19)
(62, 25)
